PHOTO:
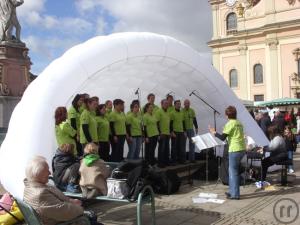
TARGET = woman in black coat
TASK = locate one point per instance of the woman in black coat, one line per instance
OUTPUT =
(65, 168)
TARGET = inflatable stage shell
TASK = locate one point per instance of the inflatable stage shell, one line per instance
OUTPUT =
(111, 67)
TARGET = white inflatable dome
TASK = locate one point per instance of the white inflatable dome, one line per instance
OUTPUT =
(111, 67)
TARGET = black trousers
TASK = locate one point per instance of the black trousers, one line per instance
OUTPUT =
(79, 149)
(104, 150)
(178, 148)
(150, 150)
(270, 161)
(163, 149)
(117, 150)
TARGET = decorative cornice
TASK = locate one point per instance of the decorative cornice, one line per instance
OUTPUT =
(273, 42)
(261, 31)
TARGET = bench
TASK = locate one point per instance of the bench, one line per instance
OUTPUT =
(31, 217)
(284, 169)
(144, 197)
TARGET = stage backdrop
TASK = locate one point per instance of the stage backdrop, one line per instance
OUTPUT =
(112, 67)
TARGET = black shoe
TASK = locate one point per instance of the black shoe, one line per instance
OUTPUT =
(232, 198)
(227, 194)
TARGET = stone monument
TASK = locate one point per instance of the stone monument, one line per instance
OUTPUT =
(14, 61)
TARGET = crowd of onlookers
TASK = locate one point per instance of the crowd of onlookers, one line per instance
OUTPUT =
(283, 124)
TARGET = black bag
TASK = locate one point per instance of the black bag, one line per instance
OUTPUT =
(136, 173)
(167, 182)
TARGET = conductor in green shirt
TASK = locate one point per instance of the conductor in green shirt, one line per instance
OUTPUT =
(177, 134)
(234, 132)
(190, 122)
(117, 121)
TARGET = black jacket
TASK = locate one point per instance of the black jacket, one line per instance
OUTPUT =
(60, 163)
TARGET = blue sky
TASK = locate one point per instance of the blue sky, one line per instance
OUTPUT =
(50, 27)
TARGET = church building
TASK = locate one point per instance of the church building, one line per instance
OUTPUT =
(256, 47)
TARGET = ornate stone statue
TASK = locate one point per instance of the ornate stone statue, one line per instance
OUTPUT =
(9, 20)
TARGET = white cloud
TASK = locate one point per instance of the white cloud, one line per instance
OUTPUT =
(188, 20)
(30, 11)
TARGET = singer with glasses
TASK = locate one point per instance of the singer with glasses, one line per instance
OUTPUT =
(190, 122)
(234, 132)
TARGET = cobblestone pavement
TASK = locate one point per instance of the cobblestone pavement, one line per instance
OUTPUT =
(255, 207)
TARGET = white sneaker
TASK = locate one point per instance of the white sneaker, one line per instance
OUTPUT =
(291, 171)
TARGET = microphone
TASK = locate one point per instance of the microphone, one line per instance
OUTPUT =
(192, 93)
(137, 91)
(171, 92)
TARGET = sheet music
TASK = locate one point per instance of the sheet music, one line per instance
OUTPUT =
(206, 141)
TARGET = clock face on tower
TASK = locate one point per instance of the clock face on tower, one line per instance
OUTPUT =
(230, 2)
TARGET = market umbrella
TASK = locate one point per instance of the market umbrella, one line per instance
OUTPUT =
(279, 102)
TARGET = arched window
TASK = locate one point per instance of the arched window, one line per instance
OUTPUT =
(231, 22)
(233, 78)
(258, 74)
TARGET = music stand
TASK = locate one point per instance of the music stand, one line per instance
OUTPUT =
(215, 126)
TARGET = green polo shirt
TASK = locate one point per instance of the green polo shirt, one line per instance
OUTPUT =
(88, 118)
(82, 108)
(189, 115)
(177, 118)
(119, 120)
(171, 109)
(73, 114)
(64, 134)
(163, 118)
(150, 121)
(234, 129)
(135, 122)
(102, 128)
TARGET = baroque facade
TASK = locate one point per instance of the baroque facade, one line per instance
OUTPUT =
(256, 47)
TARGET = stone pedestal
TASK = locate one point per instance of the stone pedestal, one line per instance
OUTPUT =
(14, 69)
(7, 105)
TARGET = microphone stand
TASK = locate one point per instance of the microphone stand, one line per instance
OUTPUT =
(137, 92)
(215, 126)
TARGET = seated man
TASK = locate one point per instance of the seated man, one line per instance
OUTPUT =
(51, 205)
